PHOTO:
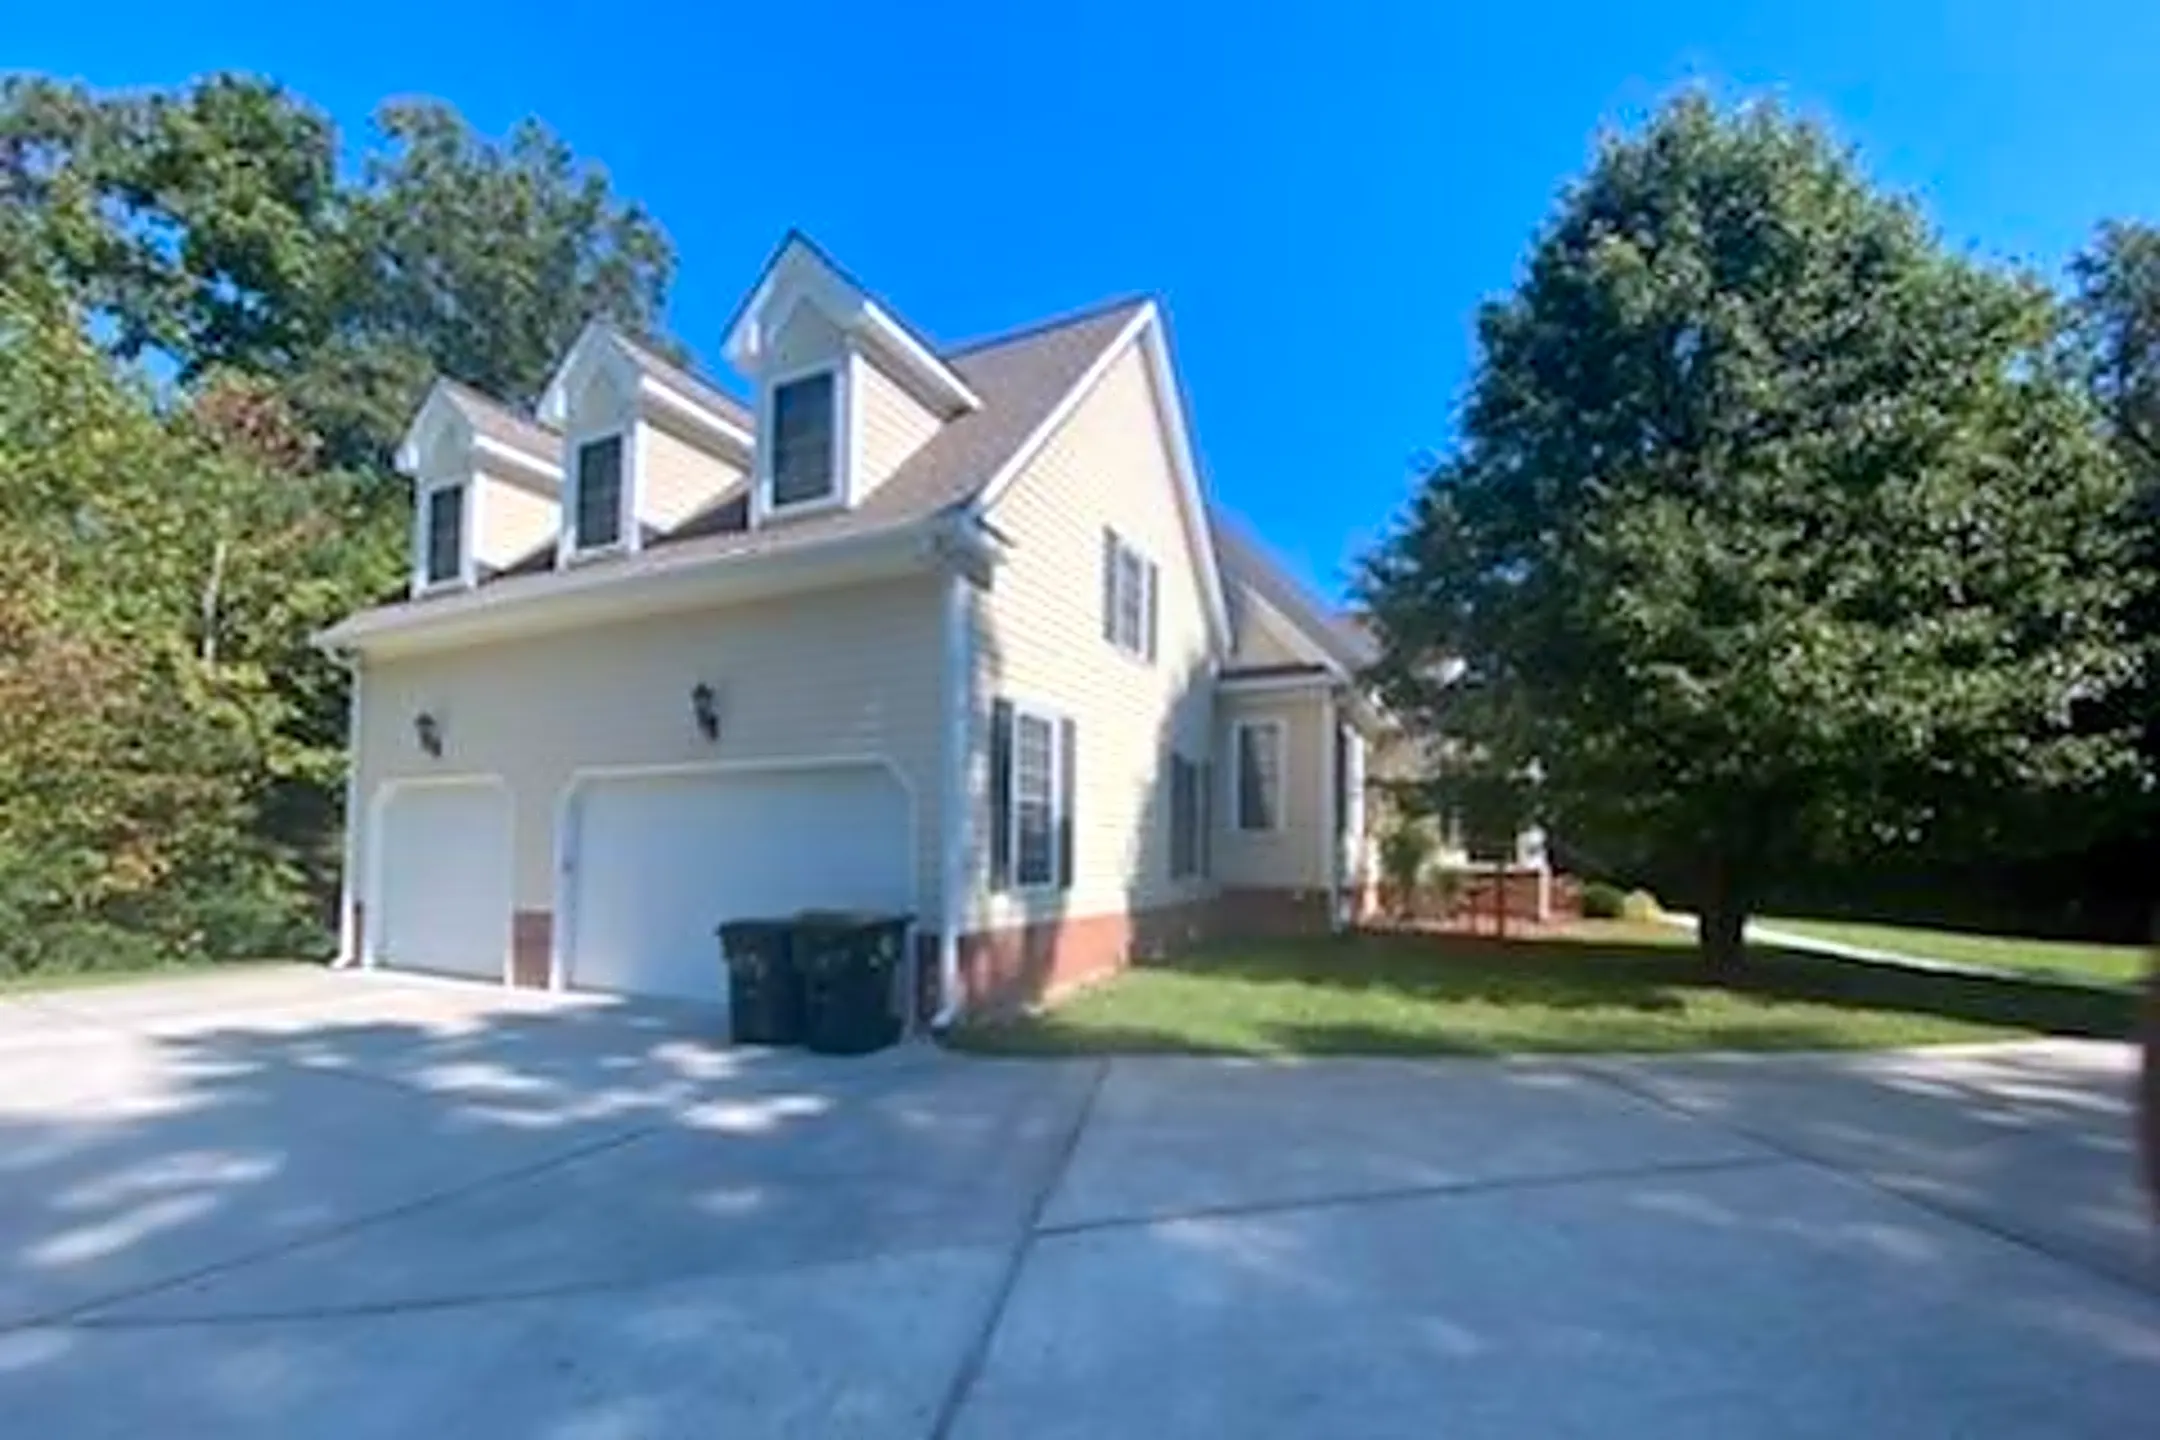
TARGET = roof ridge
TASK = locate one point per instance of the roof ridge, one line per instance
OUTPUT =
(1056, 322)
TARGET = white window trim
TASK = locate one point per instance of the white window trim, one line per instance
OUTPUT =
(567, 550)
(841, 368)
(1236, 767)
(1022, 709)
(468, 539)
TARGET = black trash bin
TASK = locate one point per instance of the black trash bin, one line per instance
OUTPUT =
(765, 991)
(850, 965)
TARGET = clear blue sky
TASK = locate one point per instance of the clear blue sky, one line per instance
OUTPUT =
(1321, 193)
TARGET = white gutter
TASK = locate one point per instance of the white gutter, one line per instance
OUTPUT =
(651, 582)
(348, 929)
(953, 805)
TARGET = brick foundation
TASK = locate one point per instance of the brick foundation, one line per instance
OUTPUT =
(1470, 896)
(1021, 965)
(532, 940)
(1257, 914)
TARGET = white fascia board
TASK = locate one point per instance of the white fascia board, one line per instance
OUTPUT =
(1145, 327)
(544, 476)
(933, 374)
(700, 419)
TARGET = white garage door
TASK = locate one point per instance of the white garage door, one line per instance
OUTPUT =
(656, 863)
(442, 893)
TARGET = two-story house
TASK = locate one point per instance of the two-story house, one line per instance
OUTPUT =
(949, 631)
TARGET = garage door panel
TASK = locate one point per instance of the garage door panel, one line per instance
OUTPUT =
(657, 863)
(443, 893)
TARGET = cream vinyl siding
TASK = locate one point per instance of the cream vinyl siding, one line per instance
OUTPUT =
(514, 521)
(890, 425)
(676, 479)
(1038, 640)
(851, 672)
(1295, 855)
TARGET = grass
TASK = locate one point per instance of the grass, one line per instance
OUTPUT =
(37, 981)
(2120, 964)
(1587, 991)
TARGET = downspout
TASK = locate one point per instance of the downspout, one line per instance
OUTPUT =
(953, 805)
(349, 938)
(1331, 830)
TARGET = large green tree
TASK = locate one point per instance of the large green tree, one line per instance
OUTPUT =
(211, 337)
(1776, 534)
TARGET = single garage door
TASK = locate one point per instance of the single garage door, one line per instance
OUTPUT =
(442, 891)
(655, 863)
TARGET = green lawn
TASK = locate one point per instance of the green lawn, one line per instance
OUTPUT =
(45, 980)
(2117, 963)
(1593, 991)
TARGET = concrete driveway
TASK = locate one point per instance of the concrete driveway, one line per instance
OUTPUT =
(291, 1202)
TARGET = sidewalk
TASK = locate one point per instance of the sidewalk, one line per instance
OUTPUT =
(1770, 935)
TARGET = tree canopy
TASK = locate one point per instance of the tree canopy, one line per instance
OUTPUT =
(211, 337)
(1776, 533)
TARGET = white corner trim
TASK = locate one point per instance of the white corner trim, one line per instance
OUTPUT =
(1330, 800)
(954, 808)
(348, 871)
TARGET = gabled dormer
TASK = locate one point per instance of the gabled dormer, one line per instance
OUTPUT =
(486, 487)
(647, 446)
(846, 392)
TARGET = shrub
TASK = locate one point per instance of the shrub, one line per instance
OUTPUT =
(1640, 906)
(1601, 901)
(1406, 847)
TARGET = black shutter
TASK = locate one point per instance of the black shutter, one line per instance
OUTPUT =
(1001, 751)
(1153, 575)
(1207, 819)
(1109, 585)
(1068, 793)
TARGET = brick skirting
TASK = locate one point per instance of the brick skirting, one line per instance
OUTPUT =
(532, 941)
(1257, 914)
(1016, 966)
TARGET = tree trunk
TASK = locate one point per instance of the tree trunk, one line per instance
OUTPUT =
(1721, 929)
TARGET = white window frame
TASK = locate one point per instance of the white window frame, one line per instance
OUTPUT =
(468, 572)
(1276, 726)
(840, 369)
(625, 500)
(1052, 721)
(1123, 550)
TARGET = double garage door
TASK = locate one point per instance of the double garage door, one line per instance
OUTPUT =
(649, 865)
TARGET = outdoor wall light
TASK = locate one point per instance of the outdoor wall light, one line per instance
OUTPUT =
(705, 708)
(428, 731)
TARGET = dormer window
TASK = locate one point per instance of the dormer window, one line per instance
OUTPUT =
(443, 543)
(805, 434)
(598, 516)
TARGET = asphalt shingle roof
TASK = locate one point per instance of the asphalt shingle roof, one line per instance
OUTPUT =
(504, 424)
